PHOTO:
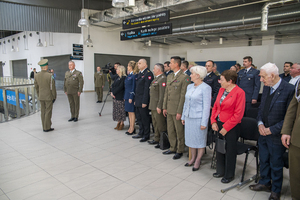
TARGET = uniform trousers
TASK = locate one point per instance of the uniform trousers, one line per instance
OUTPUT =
(143, 118)
(226, 162)
(271, 162)
(175, 133)
(46, 114)
(99, 91)
(159, 124)
(294, 166)
(74, 101)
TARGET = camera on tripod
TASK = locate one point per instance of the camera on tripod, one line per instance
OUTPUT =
(109, 68)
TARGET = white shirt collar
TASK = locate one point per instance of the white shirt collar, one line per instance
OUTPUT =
(143, 70)
(176, 73)
(208, 73)
(294, 80)
(276, 85)
(72, 71)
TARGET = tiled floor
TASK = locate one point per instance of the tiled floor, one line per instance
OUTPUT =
(91, 160)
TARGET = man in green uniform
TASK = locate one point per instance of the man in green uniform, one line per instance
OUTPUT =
(291, 139)
(173, 105)
(99, 84)
(73, 86)
(157, 91)
(46, 92)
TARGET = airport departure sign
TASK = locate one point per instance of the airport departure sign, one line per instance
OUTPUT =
(153, 18)
(162, 29)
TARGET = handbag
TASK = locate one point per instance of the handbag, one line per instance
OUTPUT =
(164, 141)
(210, 138)
(221, 145)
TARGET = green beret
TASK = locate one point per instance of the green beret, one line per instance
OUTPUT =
(43, 62)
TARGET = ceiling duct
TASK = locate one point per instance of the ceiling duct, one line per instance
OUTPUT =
(123, 3)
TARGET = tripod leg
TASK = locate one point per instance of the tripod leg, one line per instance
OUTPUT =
(104, 102)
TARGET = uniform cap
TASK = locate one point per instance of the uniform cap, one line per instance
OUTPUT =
(43, 62)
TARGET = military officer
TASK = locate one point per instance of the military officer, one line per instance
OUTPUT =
(212, 80)
(173, 105)
(157, 91)
(143, 82)
(73, 86)
(99, 84)
(46, 92)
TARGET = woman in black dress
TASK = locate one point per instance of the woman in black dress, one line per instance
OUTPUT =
(117, 93)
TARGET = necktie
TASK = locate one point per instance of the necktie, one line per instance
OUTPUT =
(245, 71)
(272, 90)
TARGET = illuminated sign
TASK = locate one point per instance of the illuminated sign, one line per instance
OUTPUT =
(154, 18)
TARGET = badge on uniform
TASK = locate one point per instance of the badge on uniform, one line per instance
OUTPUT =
(187, 80)
(164, 84)
(149, 77)
(74, 74)
(142, 76)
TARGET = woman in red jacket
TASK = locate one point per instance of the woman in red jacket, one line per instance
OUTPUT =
(226, 117)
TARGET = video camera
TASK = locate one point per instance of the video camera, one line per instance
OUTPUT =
(108, 67)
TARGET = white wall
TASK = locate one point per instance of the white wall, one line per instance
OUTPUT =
(62, 45)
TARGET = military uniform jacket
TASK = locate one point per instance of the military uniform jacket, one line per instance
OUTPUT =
(250, 83)
(45, 86)
(157, 91)
(73, 82)
(291, 124)
(175, 93)
(213, 81)
(99, 79)
(143, 82)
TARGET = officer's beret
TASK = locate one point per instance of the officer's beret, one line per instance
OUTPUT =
(43, 62)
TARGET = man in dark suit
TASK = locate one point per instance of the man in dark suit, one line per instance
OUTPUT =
(142, 97)
(185, 67)
(286, 72)
(212, 80)
(291, 139)
(167, 68)
(248, 80)
(276, 98)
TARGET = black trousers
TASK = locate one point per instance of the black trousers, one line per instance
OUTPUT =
(226, 162)
(143, 118)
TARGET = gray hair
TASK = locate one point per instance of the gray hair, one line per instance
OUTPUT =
(72, 62)
(160, 66)
(270, 68)
(200, 70)
(298, 65)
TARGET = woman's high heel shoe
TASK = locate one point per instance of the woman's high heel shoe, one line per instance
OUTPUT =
(133, 132)
(120, 127)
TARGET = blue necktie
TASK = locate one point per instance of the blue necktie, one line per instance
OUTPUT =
(272, 90)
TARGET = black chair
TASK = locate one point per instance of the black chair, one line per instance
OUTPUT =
(252, 113)
(249, 131)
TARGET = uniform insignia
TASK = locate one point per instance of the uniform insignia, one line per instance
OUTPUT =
(164, 84)
(74, 74)
(187, 80)
(142, 76)
(149, 77)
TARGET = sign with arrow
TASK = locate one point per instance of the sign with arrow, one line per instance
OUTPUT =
(162, 29)
(154, 18)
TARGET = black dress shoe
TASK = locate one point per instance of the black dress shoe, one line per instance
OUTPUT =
(260, 187)
(188, 165)
(152, 142)
(195, 169)
(177, 156)
(75, 119)
(168, 152)
(136, 136)
(97, 101)
(133, 132)
(51, 129)
(157, 146)
(274, 196)
(71, 119)
(217, 175)
(227, 180)
(144, 139)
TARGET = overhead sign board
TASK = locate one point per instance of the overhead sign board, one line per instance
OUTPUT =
(147, 20)
(163, 29)
(77, 52)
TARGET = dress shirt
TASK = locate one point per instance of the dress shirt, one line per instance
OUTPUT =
(294, 80)
(175, 73)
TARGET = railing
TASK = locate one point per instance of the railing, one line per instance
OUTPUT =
(17, 98)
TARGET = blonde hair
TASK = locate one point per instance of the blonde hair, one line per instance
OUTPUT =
(122, 70)
(133, 66)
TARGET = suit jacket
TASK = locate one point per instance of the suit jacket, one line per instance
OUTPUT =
(284, 77)
(175, 93)
(45, 86)
(118, 88)
(130, 86)
(279, 104)
(291, 124)
(231, 111)
(250, 83)
(213, 81)
(197, 103)
(157, 91)
(73, 82)
(99, 79)
(143, 82)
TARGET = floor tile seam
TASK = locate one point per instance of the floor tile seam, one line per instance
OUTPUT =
(4, 194)
(196, 192)
(107, 191)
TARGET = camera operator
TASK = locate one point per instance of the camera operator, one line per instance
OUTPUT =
(112, 71)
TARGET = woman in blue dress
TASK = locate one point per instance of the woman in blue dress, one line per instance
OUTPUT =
(195, 115)
(129, 94)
